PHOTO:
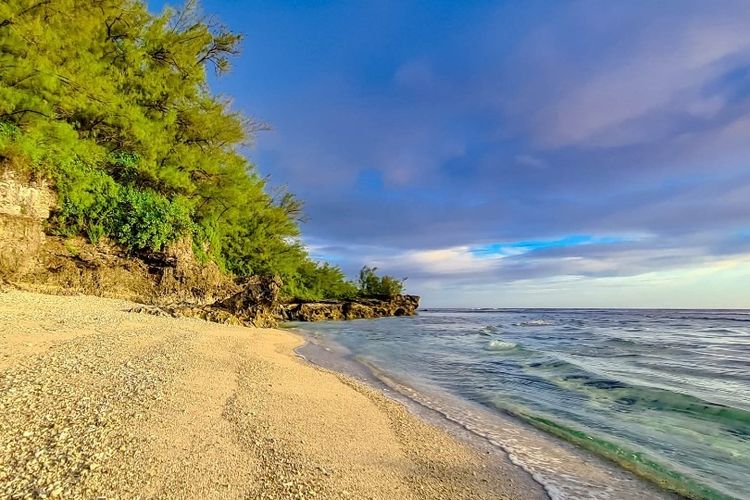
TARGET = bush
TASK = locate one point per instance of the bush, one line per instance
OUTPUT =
(145, 220)
(371, 285)
(88, 198)
(91, 202)
(315, 281)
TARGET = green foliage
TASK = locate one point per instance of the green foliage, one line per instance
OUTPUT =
(316, 281)
(372, 285)
(111, 103)
(87, 198)
(94, 204)
(146, 220)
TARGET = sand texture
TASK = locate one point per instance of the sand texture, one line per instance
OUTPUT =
(99, 402)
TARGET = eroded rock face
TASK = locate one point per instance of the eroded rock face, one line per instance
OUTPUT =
(256, 303)
(25, 199)
(24, 205)
(400, 305)
(73, 265)
(172, 281)
(314, 311)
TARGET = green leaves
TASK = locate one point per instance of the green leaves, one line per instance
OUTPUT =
(316, 281)
(372, 285)
(93, 203)
(112, 104)
(145, 220)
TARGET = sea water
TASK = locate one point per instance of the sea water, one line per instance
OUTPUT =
(662, 393)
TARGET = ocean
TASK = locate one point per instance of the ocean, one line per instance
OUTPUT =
(575, 396)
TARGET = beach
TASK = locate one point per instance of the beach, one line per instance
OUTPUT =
(97, 401)
(593, 403)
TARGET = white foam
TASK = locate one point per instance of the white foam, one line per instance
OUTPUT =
(500, 345)
(534, 322)
(563, 470)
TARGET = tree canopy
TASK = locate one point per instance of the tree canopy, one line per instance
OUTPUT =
(111, 103)
(372, 285)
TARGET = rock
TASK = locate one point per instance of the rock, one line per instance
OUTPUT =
(152, 310)
(313, 311)
(400, 305)
(256, 303)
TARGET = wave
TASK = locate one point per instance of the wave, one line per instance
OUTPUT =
(621, 341)
(634, 461)
(487, 330)
(716, 318)
(534, 322)
(726, 330)
(500, 345)
(733, 419)
(628, 397)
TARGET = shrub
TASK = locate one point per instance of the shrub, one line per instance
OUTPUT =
(87, 198)
(372, 285)
(146, 220)
(316, 281)
(93, 203)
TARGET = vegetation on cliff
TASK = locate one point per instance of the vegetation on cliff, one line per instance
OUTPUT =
(111, 104)
(372, 285)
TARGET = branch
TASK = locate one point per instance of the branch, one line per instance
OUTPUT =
(23, 111)
(6, 22)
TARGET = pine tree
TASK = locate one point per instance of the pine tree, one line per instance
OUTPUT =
(111, 103)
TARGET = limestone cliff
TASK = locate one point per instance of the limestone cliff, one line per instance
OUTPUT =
(171, 282)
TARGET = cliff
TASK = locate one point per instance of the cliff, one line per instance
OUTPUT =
(172, 282)
(32, 258)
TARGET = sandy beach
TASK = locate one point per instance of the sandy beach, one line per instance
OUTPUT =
(96, 401)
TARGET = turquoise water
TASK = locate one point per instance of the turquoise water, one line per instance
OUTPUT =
(664, 394)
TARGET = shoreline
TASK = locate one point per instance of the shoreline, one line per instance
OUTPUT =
(586, 474)
(360, 373)
(113, 402)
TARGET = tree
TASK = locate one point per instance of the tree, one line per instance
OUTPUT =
(111, 103)
(371, 285)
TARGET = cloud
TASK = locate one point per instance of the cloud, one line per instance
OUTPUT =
(668, 72)
(417, 136)
(530, 161)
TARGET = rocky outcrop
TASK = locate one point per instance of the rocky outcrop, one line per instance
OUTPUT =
(256, 304)
(25, 198)
(400, 305)
(32, 259)
(73, 265)
(24, 206)
(172, 282)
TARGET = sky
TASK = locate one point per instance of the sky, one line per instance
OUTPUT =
(510, 154)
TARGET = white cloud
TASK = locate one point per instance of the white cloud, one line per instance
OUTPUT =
(455, 260)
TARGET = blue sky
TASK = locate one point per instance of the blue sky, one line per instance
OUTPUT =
(535, 153)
